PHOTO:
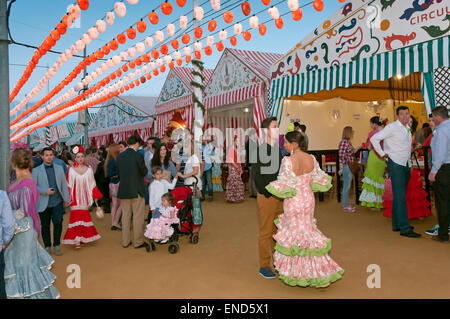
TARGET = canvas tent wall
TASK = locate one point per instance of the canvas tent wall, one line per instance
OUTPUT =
(118, 119)
(176, 95)
(366, 41)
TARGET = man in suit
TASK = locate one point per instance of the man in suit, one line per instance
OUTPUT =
(132, 170)
(53, 196)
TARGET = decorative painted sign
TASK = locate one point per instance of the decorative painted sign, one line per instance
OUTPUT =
(173, 89)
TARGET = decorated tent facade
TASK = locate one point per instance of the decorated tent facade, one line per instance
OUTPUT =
(236, 94)
(377, 53)
(118, 119)
(177, 96)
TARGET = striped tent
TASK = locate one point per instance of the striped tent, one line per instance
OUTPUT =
(365, 41)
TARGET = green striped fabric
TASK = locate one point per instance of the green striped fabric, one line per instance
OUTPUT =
(422, 57)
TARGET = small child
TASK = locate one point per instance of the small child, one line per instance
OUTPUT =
(158, 188)
(160, 228)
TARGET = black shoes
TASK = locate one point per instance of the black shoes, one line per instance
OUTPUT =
(147, 247)
(127, 245)
(398, 229)
(410, 234)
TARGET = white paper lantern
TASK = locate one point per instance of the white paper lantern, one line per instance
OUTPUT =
(94, 76)
(101, 26)
(145, 69)
(152, 65)
(215, 4)
(99, 71)
(93, 33)
(198, 13)
(187, 51)
(120, 8)
(80, 85)
(110, 16)
(79, 45)
(274, 13)
(159, 62)
(198, 46)
(64, 58)
(123, 56)
(86, 39)
(132, 2)
(167, 59)
(223, 35)
(237, 28)
(149, 42)
(131, 52)
(183, 22)
(138, 72)
(116, 59)
(68, 53)
(177, 55)
(159, 36)
(75, 11)
(110, 63)
(140, 47)
(73, 49)
(131, 76)
(88, 79)
(254, 22)
(293, 4)
(170, 29)
(126, 79)
(210, 40)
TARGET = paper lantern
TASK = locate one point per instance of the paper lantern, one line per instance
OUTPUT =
(114, 45)
(113, 76)
(183, 22)
(119, 72)
(171, 65)
(110, 63)
(228, 16)
(93, 33)
(138, 72)
(167, 59)
(155, 54)
(208, 50)
(262, 29)
(149, 76)
(181, 3)
(246, 9)
(198, 55)
(79, 45)
(219, 46)
(170, 29)
(210, 40)
(132, 85)
(341, 1)
(318, 5)
(198, 32)
(215, 4)
(146, 57)
(110, 16)
(149, 42)
(198, 13)
(93, 58)
(145, 69)
(155, 72)
(100, 25)
(166, 8)
(159, 36)
(293, 5)
(212, 24)
(123, 56)
(179, 62)
(187, 51)
(266, 2)
(197, 46)
(177, 55)
(120, 9)
(223, 35)
(254, 22)
(131, 33)
(80, 86)
(233, 40)
(132, 2)
(125, 68)
(86, 39)
(274, 13)
(116, 59)
(55, 35)
(121, 38)
(164, 49)
(152, 65)
(122, 90)
(141, 26)
(68, 20)
(132, 65)
(61, 27)
(175, 44)
(143, 79)
(131, 52)
(186, 38)
(153, 17)
(140, 47)
(237, 28)
(247, 35)
(297, 14)
(279, 23)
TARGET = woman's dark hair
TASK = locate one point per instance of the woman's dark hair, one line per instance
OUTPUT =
(427, 131)
(376, 120)
(22, 158)
(266, 122)
(156, 160)
(124, 144)
(296, 137)
(414, 124)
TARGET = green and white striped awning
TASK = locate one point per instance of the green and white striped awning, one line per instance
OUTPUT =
(421, 57)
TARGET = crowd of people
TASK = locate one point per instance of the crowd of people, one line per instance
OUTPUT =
(123, 178)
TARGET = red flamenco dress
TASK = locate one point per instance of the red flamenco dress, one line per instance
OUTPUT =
(416, 197)
(83, 192)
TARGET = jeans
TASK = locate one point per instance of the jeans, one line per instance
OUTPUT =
(399, 177)
(347, 176)
(54, 214)
(442, 191)
(207, 180)
(2, 277)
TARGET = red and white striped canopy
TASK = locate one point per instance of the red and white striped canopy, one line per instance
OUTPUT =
(258, 62)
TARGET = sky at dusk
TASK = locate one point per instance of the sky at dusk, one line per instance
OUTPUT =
(31, 21)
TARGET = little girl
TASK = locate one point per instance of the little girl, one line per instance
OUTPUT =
(160, 228)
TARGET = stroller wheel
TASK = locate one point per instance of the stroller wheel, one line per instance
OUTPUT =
(194, 239)
(173, 248)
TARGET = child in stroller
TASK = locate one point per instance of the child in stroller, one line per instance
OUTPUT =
(183, 197)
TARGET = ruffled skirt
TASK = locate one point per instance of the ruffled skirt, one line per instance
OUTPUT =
(160, 228)
(373, 182)
(235, 186)
(81, 229)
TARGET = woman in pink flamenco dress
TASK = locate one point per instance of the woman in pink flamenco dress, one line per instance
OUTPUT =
(301, 251)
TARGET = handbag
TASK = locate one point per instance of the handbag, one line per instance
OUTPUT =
(99, 212)
(355, 167)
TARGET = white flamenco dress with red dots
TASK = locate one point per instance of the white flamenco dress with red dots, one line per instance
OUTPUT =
(83, 191)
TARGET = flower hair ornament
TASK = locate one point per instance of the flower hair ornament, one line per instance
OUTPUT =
(78, 149)
(21, 145)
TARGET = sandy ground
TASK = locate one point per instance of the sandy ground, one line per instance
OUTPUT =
(224, 264)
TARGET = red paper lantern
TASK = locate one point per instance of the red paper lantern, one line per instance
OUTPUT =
(175, 44)
(266, 2)
(127, 87)
(186, 38)
(93, 58)
(121, 38)
(198, 32)
(149, 76)
(55, 35)
(181, 3)
(228, 16)
(143, 79)
(318, 5)
(198, 55)
(155, 54)
(297, 14)
(132, 64)
(61, 27)
(137, 82)
(164, 49)
(163, 68)
(247, 35)
(171, 65)
(166, 8)
(279, 23)
(99, 54)
(87, 62)
(125, 68)
(219, 46)
(146, 57)
(113, 76)
(122, 90)
(141, 26)
(246, 9)
(233, 40)
(119, 72)
(188, 58)
(114, 45)
(153, 17)
(212, 25)
(179, 62)
(131, 33)
(155, 72)
(138, 61)
(106, 49)
(132, 85)
(208, 50)
(83, 4)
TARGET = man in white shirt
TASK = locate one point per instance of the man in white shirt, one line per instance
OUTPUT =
(397, 148)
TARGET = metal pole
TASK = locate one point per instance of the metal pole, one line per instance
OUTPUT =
(84, 113)
(198, 114)
(4, 99)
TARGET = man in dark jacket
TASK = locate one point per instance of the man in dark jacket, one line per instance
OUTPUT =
(132, 170)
